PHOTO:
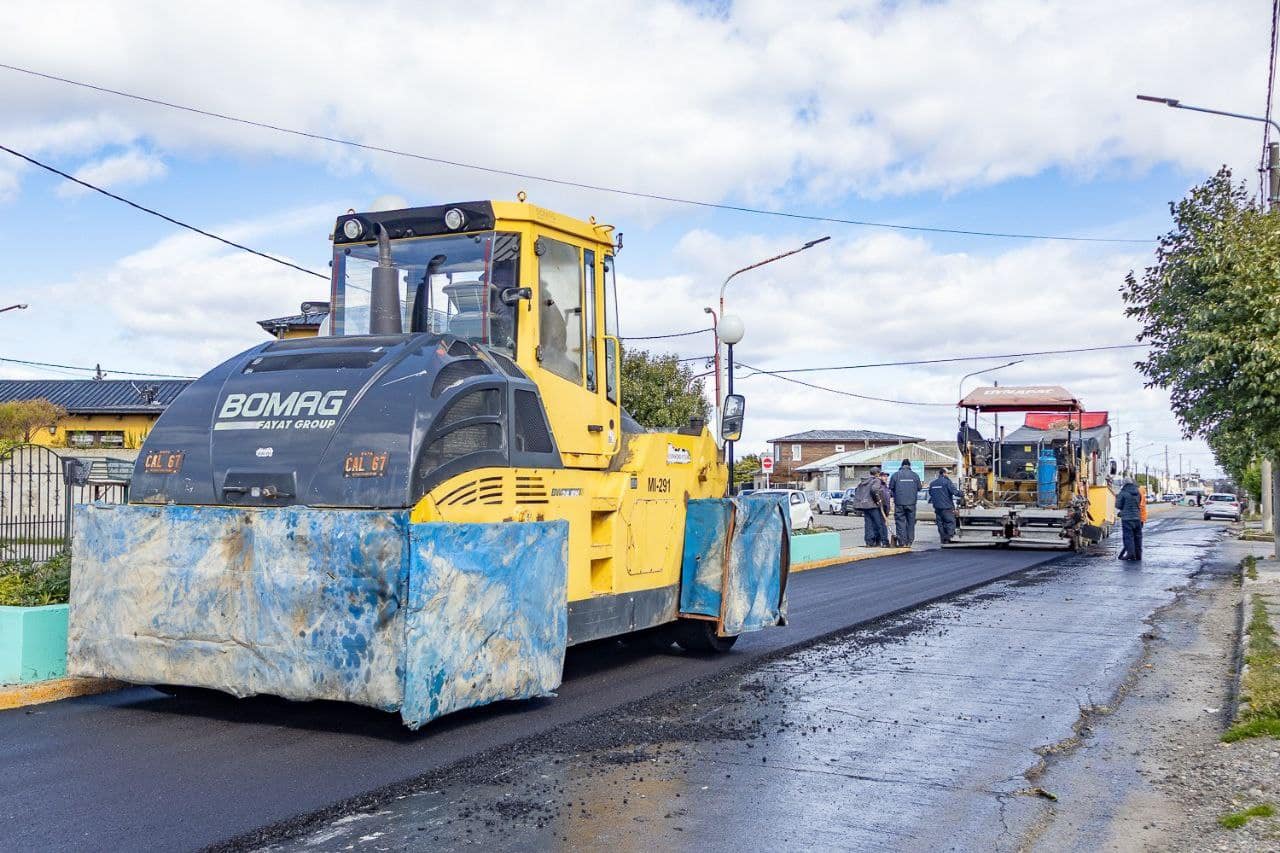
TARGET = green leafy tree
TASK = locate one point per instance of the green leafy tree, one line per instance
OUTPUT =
(660, 391)
(19, 419)
(1210, 310)
(746, 468)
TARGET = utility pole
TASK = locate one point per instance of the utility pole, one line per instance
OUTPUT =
(1126, 452)
(1269, 471)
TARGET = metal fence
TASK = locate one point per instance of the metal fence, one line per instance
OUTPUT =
(36, 499)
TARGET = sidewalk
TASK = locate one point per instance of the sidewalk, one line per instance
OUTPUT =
(1260, 582)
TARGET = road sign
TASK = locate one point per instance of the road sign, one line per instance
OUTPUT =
(766, 464)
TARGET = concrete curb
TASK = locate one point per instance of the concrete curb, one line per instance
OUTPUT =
(39, 692)
(850, 558)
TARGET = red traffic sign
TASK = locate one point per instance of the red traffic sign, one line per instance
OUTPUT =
(766, 464)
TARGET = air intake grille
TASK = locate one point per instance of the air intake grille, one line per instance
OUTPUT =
(508, 366)
(532, 435)
(485, 490)
(522, 489)
(455, 372)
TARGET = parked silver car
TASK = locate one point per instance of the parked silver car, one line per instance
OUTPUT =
(1222, 505)
(829, 502)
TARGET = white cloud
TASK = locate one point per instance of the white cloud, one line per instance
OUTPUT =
(132, 167)
(187, 303)
(759, 103)
(888, 298)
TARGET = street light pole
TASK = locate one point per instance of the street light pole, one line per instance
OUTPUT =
(732, 275)
(1270, 472)
(715, 331)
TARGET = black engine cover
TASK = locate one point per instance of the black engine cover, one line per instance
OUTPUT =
(361, 422)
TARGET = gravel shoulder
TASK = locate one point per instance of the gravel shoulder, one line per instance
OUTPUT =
(1151, 772)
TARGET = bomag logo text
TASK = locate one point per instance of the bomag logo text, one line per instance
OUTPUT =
(294, 410)
(274, 405)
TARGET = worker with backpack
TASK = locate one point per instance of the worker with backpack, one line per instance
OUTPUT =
(870, 500)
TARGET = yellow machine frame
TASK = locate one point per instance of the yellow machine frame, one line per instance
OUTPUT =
(623, 495)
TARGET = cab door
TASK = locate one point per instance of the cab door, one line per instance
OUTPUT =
(587, 425)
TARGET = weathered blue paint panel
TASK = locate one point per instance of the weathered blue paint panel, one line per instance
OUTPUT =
(295, 602)
(706, 533)
(758, 561)
(486, 617)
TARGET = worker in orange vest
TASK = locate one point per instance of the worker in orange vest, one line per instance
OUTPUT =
(1142, 503)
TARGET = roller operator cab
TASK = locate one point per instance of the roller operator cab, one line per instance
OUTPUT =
(421, 507)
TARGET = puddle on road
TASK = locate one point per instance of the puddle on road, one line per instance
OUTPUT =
(912, 733)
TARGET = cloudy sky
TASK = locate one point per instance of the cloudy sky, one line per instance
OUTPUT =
(995, 115)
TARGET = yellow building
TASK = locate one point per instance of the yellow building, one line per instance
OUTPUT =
(304, 325)
(112, 414)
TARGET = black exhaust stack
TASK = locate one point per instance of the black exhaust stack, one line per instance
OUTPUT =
(384, 295)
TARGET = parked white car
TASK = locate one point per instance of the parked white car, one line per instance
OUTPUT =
(829, 502)
(801, 515)
(1222, 505)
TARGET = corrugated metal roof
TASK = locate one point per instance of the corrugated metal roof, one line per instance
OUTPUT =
(313, 314)
(89, 396)
(845, 435)
(918, 452)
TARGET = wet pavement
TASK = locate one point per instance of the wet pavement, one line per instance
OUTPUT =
(919, 732)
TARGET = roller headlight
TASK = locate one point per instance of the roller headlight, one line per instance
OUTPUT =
(352, 229)
(454, 219)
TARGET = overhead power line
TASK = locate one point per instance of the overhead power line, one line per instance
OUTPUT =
(953, 359)
(759, 372)
(160, 215)
(511, 173)
(93, 369)
(663, 337)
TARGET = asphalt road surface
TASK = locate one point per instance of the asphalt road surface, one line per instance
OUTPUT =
(929, 730)
(141, 771)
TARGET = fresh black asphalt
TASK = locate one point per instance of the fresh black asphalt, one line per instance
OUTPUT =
(140, 771)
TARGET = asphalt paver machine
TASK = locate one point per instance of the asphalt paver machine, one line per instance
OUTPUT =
(1049, 483)
(422, 507)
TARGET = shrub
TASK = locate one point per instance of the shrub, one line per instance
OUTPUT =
(26, 583)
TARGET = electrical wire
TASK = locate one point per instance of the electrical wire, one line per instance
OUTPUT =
(93, 369)
(663, 337)
(160, 215)
(951, 360)
(759, 372)
(320, 137)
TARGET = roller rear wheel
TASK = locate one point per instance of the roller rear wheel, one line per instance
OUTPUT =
(699, 637)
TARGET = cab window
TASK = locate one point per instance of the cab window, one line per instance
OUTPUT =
(560, 309)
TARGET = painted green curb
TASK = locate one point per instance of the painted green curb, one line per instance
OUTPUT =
(33, 643)
(814, 546)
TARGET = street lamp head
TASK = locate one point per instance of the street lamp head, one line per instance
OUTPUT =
(1168, 102)
(731, 329)
(813, 243)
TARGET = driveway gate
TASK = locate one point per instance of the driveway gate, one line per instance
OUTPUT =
(35, 502)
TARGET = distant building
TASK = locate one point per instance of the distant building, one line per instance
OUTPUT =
(304, 325)
(112, 414)
(792, 452)
(844, 470)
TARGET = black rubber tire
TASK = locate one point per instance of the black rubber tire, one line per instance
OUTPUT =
(699, 637)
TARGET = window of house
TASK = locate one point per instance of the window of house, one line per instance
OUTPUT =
(795, 452)
(95, 438)
(560, 311)
(777, 453)
(839, 448)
